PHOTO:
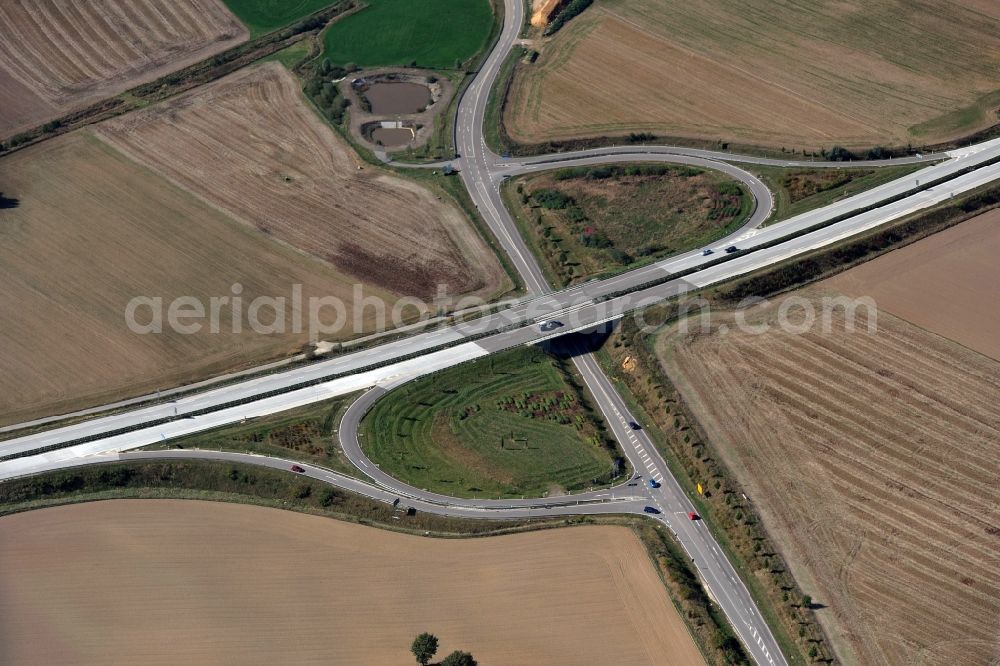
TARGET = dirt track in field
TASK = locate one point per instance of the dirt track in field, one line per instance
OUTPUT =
(803, 75)
(91, 231)
(59, 56)
(249, 145)
(946, 283)
(873, 461)
(159, 581)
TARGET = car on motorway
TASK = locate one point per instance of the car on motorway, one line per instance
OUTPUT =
(650, 509)
(653, 483)
(299, 469)
(707, 251)
(693, 516)
(634, 425)
(731, 249)
(549, 325)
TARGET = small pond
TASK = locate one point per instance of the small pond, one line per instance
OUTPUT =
(392, 136)
(397, 97)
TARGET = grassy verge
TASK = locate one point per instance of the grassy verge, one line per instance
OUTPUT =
(706, 622)
(493, 130)
(591, 222)
(227, 482)
(983, 110)
(291, 56)
(798, 191)
(515, 424)
(306, 433)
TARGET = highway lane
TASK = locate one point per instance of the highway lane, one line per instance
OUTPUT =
(551, 305)
(717, 573)
(545, 304)
(482, 172)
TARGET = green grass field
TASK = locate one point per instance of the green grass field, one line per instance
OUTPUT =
(435, 34)
(509, 425)
(262, 16)
(307, 434)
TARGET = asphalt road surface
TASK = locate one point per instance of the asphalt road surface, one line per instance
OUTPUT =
(114, 436)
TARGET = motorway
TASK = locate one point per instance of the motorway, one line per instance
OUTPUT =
(379, 369)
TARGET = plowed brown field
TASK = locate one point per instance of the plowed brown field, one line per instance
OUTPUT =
(873, 461)
(801, 74)
(91, 231)
(946, 283)
(249, 145)
(153, 581)
(56, 56)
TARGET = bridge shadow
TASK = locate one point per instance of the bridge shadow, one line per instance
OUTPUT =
(579, 343)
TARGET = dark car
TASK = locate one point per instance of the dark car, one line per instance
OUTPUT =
(651, 509)
(731, 249)
(634, 425)
(653, 483)
(298, 468)
(550, 325)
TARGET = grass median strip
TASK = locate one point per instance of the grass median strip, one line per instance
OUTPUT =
(798, 190)
(306, 434)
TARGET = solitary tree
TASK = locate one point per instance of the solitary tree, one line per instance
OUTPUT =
(458, 658)
(424, 647)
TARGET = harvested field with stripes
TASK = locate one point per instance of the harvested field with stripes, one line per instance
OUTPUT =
(804, 75)
(249, 145)
(56, 57)
(872, 460)
(92, 230)
(944, 283)
(175, 581)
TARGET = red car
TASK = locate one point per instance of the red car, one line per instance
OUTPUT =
(298, 468)
(693, 516)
